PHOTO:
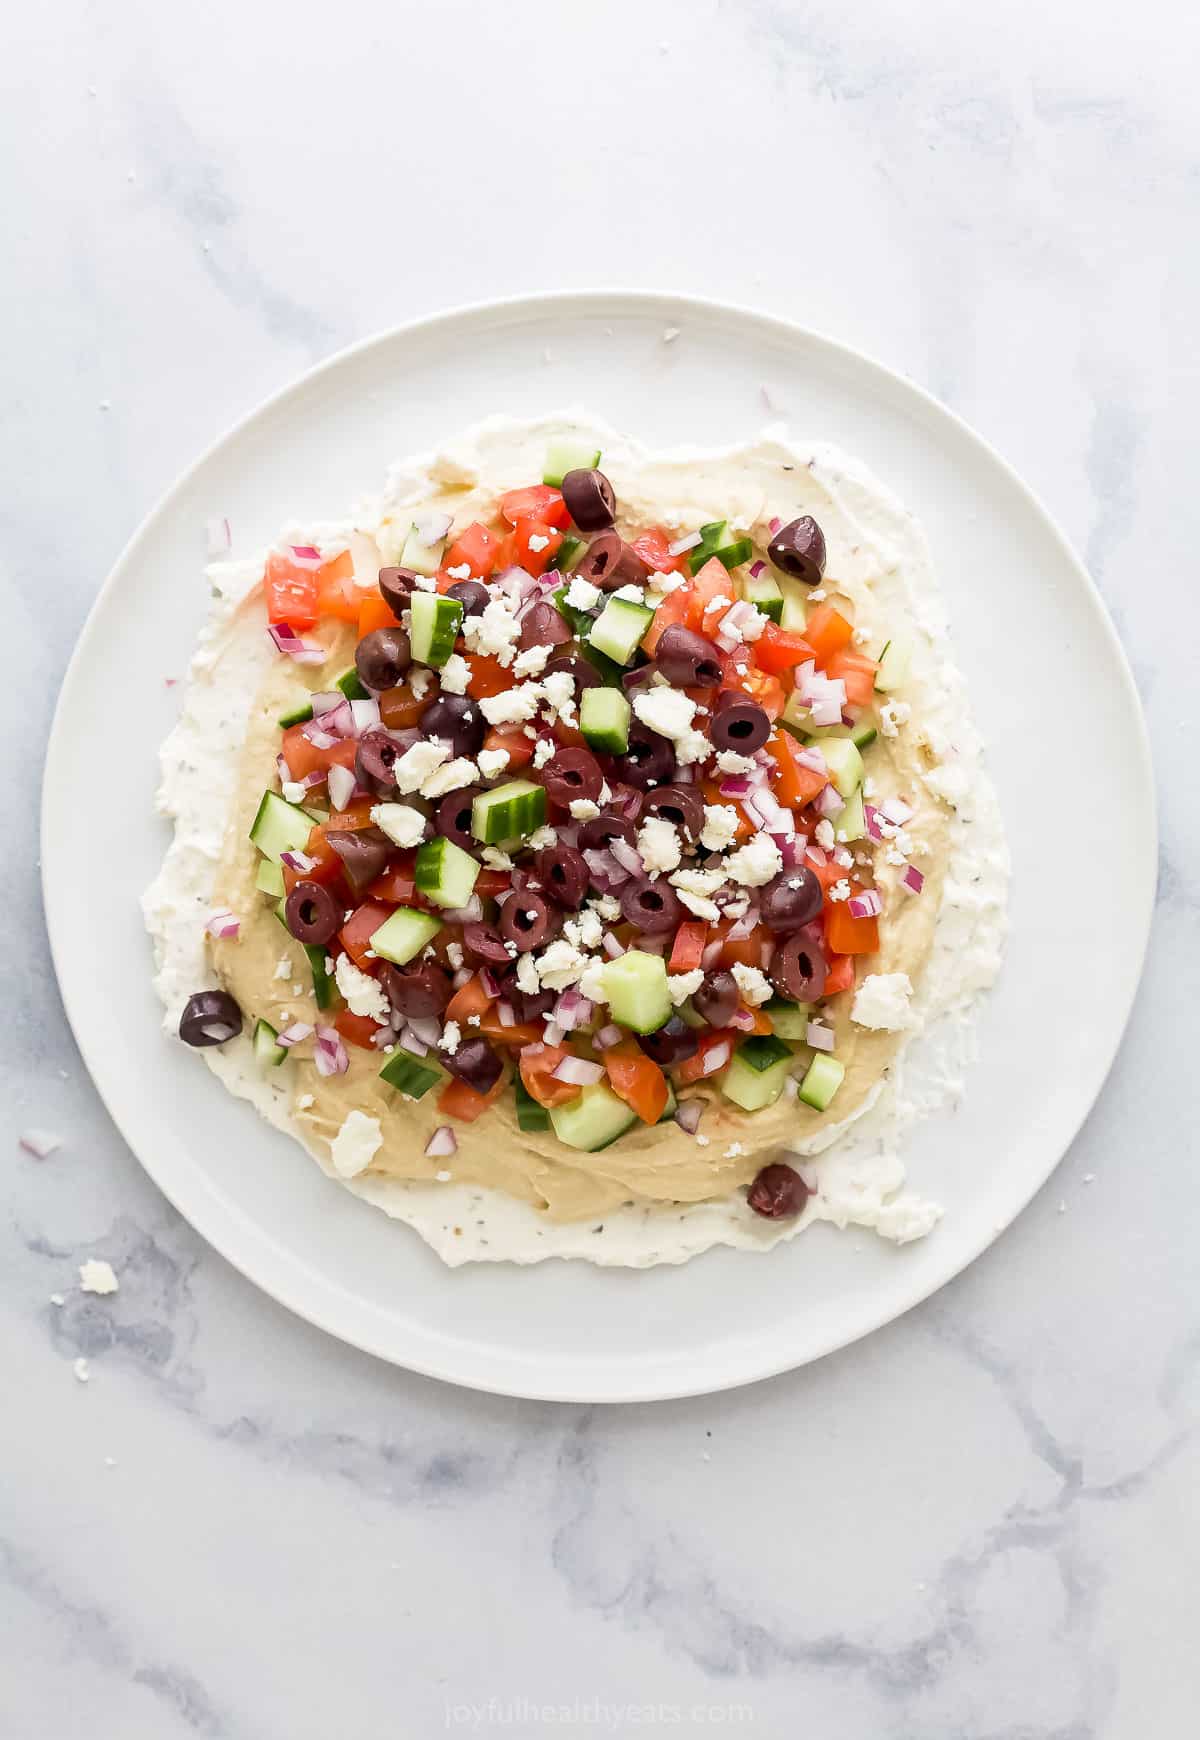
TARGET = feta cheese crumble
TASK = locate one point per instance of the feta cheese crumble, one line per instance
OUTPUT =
(356, 1144)
(414, 767)
(755, 863)
(403, 825)
(363, 994)
(881, 1001)
(753, 984)
(658, 845)
(97, 1276)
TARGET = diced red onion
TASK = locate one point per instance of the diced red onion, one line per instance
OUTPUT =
(573, 1010)
(810, 756)
(300, 862)
(688, 1115)
(829, 801)
(553, 1033)
(865, 905)
(896, 811)
(426, 1027)
(295, 1034)
(791, 850)
(40, 1143)
(604, 870)
(306, 556)
(442, 1143)
(326, 701)
(317, 735)
(463, 977)
(744, 925)
(743, 1019)
(912, 879)
(413, 1042)
(611, 946)
(431, 528)
(365, 714)
(342, 786)
(219, 537)
(607, 1036)
(712, 951)
(766, 806)
(578, 1072)
(682, 545)
(290, 644)
(330, 1055)
(489, 981)
(819, 1037)
(871, 814)
(223, 924)
(627, 856)
(626, 801)
(471, 913)
(717, 1058)
(735, 785)
(773, 525)
(505, 1011)
(756, 568)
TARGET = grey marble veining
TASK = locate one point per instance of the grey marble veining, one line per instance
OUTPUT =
(982, 1523)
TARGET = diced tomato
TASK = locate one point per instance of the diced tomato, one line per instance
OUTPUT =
(337, 594)
(858, 674)
(840, 976)
(326, 868)
(397, 886)
(538, 1063)
(400, 708)
(636, 1079)
(476, 547)
(823, 868)
(520, 1033)
(490, 883)
(356, 1029)
(768, 691)
(355, 935)
(291, 592)
(778, 650)
(374, 613)
(457, 1100)
(653, 548)
(355, 816)
(688, 947)
(696, 1067)
(761, 1022)
(827, 631)
(704, 589)
(674, 608)
(470, 999)
(795, 784)
(748, 950)
(538, 502)
(303, 757)
(488, 676)
(514, 742)
(529, 552)
(567, 736)
(847, 935)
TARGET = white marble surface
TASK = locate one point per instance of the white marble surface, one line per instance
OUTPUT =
(981, 1523)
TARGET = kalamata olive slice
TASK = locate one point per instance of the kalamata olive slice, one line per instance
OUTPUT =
(376, 756)
(453, 818)
(739, 723)
(598, 834)
(717, 997)
(563, 874)
(484, 943)
(798, 967)
(651, 906)
(689, 660)
(798, 549)
(312, 914)
(364, 853)
(671, 1044)
(543, 624)
(475, 1063)
(527, 1005)
(473, 595)
(778, 1193)
(590, 498)
(609, 562)
(574, 773)
(792, 899)
(649, 760)
(382, 657)
(528, 920)
(417, 991)
(681, 805)
(396, 587)
(586, 675)
(209, 1018)
(457, 721)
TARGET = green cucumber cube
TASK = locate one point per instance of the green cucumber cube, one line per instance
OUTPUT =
(299, 713)
(351, 685)
(324, 989)
(822, 1081)
(851, 821)
(579, 621)
(435, 626)
(422, 558)
(444, 873)
(757, 1072)
(280, 827)
(619, 628)
(790, 1020)
(794, 614)
(511, 811)
(270, 879)
(844, 762)
(894, 662)
(403, 935)
(565, 558)
(593, 1120)
(604, 716)
(568, 453)
(409, 1075)
(268, 1053)
(635, 986)
(764, 594)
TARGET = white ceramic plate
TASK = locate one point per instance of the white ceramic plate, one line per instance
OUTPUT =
(1046, 674)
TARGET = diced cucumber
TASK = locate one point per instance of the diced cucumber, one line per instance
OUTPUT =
(605, 668)
(757, 1072)
(717, 540)
(299, 713)
(511, 811)
(422, 558)
(619, 628)
(268, 1053)
(409, 1075)
(862, 734)
(563, 561)
(530, 1115)
(404, 934)
(444, 873)
(894, 661)
(435, 624)
(594, 1120)
(689, 1016)
(579, 621)
(270, 879)
(351, 685)
(794, 615)
(324, 989)
(851, 823)
(822, 1081)
(635, 986)
(790, 1020)
(764, 594)
(604, 720)
(796, 716)
(844, 762)
(671, 1107)
(280, 827)
(568, 453)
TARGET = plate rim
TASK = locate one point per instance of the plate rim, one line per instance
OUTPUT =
(643, 302)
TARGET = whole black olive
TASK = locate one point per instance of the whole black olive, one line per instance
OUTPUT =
(717, 998)
(473, 595)
(671, 1044)
(798, 549)
(484, 943)
(374, 761)
(312, 914)
(688, 660)
(456, 721)
(590, 498)
(544, 625)
(452, 818)
(209, 1018)
(417, 991)
(798, 967)
(474, 1063)
(528, 920)
(681, 805)
(563, 874)
(609, 562)
(382, 657)
(739, 723)
(649, 759)
(396, 586)
(778, 1192)
(574, 773)
(598, 834)
(651, 907)
(586, 675)
(364, 853)
(792, 899)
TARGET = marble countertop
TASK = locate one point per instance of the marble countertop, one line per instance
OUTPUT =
(982, 1521)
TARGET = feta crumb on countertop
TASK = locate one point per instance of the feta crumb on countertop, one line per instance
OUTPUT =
(881, 1001)
(363, 993)
(754, 985)
(681, 986)
(403, 825)
(96, 1276)
(356, 1144)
